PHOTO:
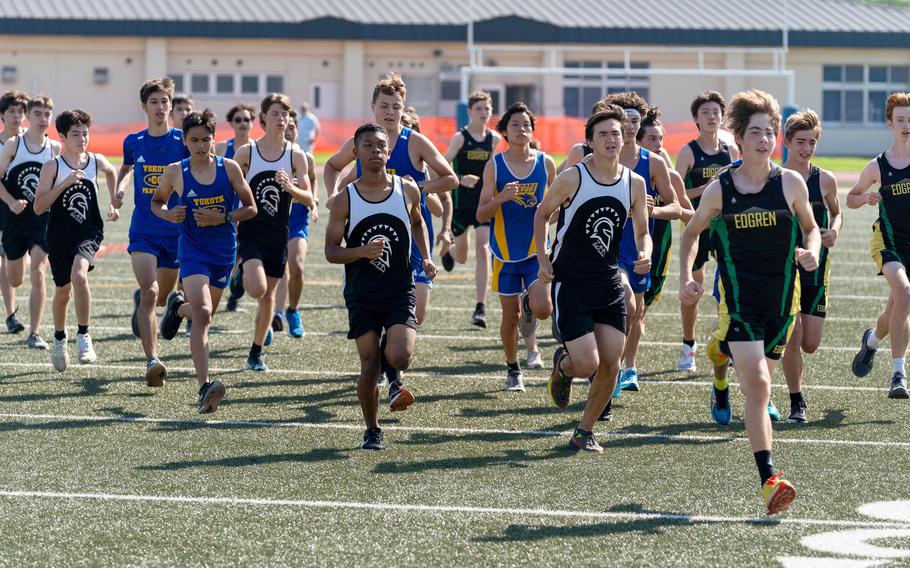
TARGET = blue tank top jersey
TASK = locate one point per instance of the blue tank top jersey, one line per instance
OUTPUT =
(229, 149)
(399, 164)
(628, 252)
(512, 225)
(300, 216)
(149, 155)
(217, 244)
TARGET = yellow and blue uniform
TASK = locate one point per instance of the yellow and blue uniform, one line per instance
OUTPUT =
(754, 240)
(891, 232)
(628, 250)
(209, 251)
(149, 155)
(512, 227)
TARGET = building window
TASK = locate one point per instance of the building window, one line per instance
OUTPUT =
(224, 84)
(855, 95)
(199, 84)
(179, 84)
(249, 84)
(421, 93)
(581, 92)
(9, 73)
(450, 89)
(274, 84)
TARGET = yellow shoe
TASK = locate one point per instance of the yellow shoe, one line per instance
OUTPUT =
(717, 357)
(778, 494)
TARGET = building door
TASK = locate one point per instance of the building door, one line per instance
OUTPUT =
(324, 99)
(496, 93)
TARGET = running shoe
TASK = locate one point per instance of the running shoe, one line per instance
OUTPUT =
(527, 323)
(233, 304)
(295, 326)
(188, 329)
(687, 359)
(448, 262)
(34, 341)
(278, 321)
(798, 412)
(778, 494)
(629, 381)
(898, 386)
(134, 319)
(534, 361)
(372, 439)
(515, 381)
(170, 323)
(13, 325)
(269, 336)
(865, 358)
(720, 406)
(554, 330)
(480, 316)
(86, 351)
(607, 414)
(617, 390)
(559, 385)
(400, 396)
(155, 372)
(210, 395)
(256, 363)
(584, 440)
(60, 357)
(773, 412)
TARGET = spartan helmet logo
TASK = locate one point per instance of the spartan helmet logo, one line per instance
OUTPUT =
(269, 196)
(385, 261)
(601, 226)
(77, 205)
(28, 181)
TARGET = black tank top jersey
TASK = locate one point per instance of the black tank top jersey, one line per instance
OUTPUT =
(586, 150)
(74, 216)
(383, 280)
(705, 166)
(270, 224)
(754, 239)
(473, 156)
(820, 212)
(21, 180)
(894, 208)
(590, 229)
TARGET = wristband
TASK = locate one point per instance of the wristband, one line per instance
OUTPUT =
(421, 183)
(228, 218)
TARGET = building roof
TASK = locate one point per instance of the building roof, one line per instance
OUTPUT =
(811, 23)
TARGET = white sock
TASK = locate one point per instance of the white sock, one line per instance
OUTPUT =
(898, 364)
(872, 341)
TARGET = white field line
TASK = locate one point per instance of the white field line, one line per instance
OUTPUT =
(453, 509)
(433, 429)
(139, 370)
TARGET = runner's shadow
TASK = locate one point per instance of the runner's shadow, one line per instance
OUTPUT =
(520, 459)
(833, 418)
(654, 526)
(316, 455)
(323, 397)
(639, 435)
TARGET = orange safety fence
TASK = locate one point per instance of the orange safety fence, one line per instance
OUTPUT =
(557, 134)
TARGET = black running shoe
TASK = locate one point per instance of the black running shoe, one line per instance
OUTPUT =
(898, 386)
(134, 321)
(170, 323)
(862, 362)
(13, 325)
(233, 304)
(236, 284)
(277, 322)
(480, 316)
(448, 262)
(559, 385)
(372, 439)
(210, 395)
(798, 412)
(607, 414)
(554, 329)
(584, 440)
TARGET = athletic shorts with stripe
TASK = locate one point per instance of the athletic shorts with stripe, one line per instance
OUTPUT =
(511, 278)
(578, 305)
(773, 331)
(881, 254)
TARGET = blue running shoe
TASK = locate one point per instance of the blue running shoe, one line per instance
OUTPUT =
(629, 381)
(295, 326)
(617, 390)
(269, 337)
(256, 363)
(720, 406)
(773, 412)
(236, 284)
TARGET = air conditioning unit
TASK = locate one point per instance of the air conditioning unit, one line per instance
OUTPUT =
(9, 74)
(101, 75)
